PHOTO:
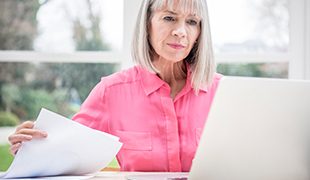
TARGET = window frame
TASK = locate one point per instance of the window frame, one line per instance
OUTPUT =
(299, 43)
(298, 56)
(307, 39)
(121, 56)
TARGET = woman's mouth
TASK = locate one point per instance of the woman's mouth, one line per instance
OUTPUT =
(176, 45)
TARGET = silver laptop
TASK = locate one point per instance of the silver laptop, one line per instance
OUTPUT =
(257, 129)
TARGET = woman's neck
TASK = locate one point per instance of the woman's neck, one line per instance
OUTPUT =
(173, 73)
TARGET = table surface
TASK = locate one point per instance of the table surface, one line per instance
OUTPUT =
(105, 175)
(117, 175)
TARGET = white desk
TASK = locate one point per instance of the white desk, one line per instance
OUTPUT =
(104, 175)
(116, 175)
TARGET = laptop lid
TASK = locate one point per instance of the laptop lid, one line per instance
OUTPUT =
(256, 129)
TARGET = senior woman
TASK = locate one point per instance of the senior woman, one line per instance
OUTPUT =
(158, 107)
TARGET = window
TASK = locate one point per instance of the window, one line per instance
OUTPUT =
(62, 26)
(53, 52)
(251, 38)
(274, 70)
(268, 38)
(243, 26)
(61, 87)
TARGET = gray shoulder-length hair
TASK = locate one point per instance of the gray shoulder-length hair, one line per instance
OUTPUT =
(200, 59)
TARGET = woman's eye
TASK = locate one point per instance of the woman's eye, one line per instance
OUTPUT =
(169, 18)
(192, 22)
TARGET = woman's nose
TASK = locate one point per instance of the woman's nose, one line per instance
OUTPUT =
(179, 30)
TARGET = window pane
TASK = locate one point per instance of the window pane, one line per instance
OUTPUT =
(243, 26)
(61, 25)
(61, 87)
(271, 70)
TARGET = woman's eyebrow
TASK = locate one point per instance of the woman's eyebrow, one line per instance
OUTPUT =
(175, 13)
(170, 12)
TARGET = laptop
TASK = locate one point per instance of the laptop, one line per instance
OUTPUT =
(257, 129)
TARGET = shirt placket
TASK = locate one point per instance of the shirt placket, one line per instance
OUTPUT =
(172, 131)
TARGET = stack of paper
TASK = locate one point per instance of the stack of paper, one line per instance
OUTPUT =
(69, 149)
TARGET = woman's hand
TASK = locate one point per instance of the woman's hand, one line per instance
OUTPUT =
(24, 132)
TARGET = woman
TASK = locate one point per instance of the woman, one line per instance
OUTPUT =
(157, 108)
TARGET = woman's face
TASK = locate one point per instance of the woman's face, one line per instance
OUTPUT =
(173, 34)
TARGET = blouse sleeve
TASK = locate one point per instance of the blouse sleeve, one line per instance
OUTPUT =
(93, 111)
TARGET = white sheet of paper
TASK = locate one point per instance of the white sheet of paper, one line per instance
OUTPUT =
(69, 149)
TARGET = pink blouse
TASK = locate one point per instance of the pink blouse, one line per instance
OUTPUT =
(158, 133)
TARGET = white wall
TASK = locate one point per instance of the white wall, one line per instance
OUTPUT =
(307, 40)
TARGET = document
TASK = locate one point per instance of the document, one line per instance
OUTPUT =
(69, 149)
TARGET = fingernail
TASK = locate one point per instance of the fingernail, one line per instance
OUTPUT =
(44, 134)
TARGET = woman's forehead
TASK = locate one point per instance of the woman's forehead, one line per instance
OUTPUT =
(180, 6)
